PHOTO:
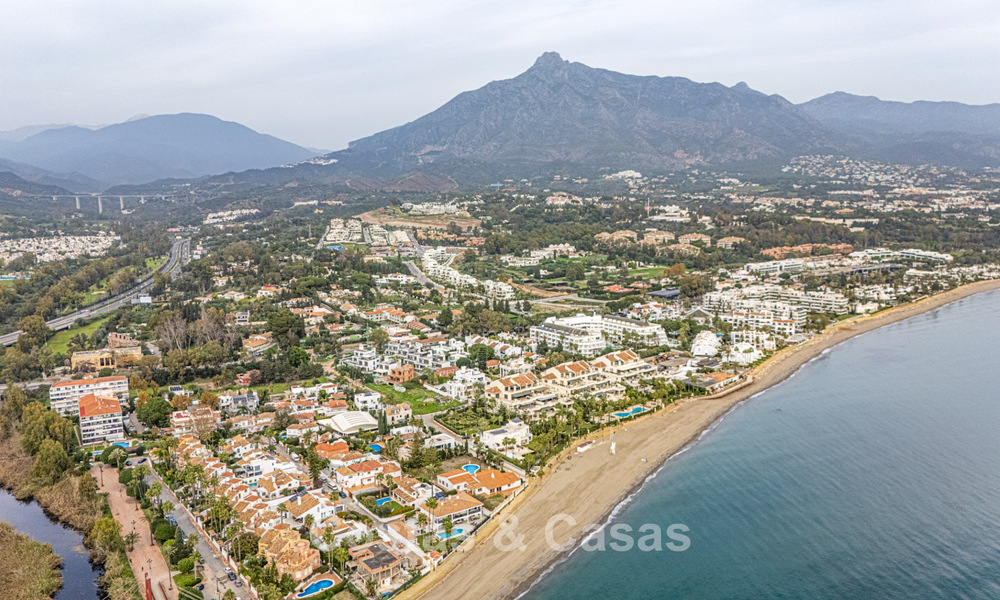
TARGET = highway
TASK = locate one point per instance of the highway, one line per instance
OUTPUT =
(180, 253)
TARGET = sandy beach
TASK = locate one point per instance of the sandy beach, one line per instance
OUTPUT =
(587, 486)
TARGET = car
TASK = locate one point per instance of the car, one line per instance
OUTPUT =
(201, 561)
(141, 460)
(228, 570)
(128, 463)
(239, 583)
(232, 576)
(200, 587)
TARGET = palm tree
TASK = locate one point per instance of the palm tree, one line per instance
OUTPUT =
(308, 522)
(341, 555)
(155, 490)
(139, 474)
(131, 539)
(328, 540)
(371, 588)
(118, 456)
(448, 526)
(421, 521)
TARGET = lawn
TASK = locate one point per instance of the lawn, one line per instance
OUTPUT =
(59, 343)
(422, 400)
(468, 422)
(154, 263)
(647, 273)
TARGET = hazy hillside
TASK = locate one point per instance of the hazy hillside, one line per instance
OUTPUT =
(146, 149)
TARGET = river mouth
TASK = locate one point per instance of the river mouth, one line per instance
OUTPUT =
(79, 575)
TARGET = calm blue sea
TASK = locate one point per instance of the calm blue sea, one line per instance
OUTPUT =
(874, 472)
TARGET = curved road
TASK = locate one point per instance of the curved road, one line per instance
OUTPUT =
(180, 253)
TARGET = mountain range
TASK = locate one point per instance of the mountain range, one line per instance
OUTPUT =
(561, 114)
(555, 116)
(182, 146)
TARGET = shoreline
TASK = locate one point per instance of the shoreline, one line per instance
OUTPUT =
(572, 484)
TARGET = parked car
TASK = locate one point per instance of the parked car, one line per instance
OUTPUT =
(232, 576)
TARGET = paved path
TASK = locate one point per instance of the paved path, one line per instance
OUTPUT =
(144, 558)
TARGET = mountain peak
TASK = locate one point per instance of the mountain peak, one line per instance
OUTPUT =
(549, 60)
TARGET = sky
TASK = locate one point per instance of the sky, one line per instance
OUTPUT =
(322, 73)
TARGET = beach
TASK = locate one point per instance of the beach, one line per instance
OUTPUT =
(588, 486)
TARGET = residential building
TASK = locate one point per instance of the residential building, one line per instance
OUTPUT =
(285, 549)
(398, 413)
(515, 433)
(95, 360)
(100, 419)
(65, 395)
(376, 561)
(524, 393)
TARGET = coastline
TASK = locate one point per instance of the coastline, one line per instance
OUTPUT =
(585, 487)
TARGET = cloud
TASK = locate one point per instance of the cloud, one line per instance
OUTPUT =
(322, 73)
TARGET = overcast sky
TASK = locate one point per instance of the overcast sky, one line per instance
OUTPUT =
(321, 73)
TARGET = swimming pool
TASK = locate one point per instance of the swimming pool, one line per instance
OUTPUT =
(470, 468)
(382, 501)
(315, 588)
(634, 411)
(375, 448)
(454, 532)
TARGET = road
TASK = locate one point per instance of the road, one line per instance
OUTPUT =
(213, 572)
(180, 253)
(421, 277)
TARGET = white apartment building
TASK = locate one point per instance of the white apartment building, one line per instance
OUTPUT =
(817, 301)
(612, 327)
(572, 339)
(100, 419)
(462, 386)
(624, 366)
(515, 433)
(64, 396)
(756, 338)
(524, 393)
(775, 267)
(705, 343)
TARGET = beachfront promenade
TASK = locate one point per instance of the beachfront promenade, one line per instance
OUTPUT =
(145, 557)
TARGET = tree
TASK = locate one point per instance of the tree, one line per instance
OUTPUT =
(479, 354)
(445, 318)
(53, 462)
(575, 271)
(341, 555)
(285, 326)
(34, 332)
(448, 525)
(379, 337)
(422, 520)
(185, 565)
(155, 412)
(131, 540)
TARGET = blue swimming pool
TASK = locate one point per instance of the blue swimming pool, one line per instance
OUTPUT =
(470, 468)
(315, 588)
(382, 501)
(375, 448)
(454, 533)
(634, 411)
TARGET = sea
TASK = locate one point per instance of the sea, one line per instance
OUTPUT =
(872, 472)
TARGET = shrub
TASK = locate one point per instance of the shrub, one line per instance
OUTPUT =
(163, 532)
(185, 565)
